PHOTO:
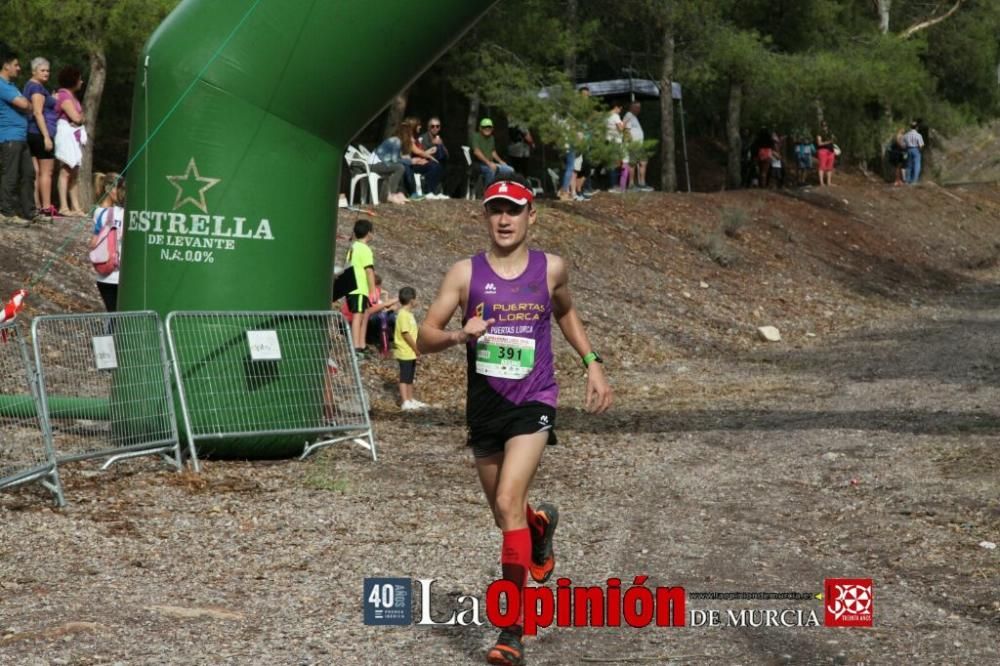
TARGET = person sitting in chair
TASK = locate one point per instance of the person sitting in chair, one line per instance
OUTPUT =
(484, 150)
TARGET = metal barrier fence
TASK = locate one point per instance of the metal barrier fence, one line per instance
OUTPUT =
(253, 383)
(103, 379)
(25, 453)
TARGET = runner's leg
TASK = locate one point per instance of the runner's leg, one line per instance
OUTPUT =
(488, 469)
(505, 479)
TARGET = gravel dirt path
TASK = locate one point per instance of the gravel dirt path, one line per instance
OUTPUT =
(868, 449)
(874, 455)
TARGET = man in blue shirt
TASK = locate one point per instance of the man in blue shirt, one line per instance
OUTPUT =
(15, 158)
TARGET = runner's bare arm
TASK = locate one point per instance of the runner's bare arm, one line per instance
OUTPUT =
(433, 337)
(599, 395)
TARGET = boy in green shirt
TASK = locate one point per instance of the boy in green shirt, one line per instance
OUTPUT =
(362, 262)
(404, 348)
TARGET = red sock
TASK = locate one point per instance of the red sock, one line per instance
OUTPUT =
(516, 556)
(534, 522)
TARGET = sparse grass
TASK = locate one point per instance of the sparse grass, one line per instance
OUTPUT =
(322, 477)
(714, 246)
(733, 220)
(783, 232)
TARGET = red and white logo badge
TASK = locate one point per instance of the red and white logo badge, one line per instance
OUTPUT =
(847, 602)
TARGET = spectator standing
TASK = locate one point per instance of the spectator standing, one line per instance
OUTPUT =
(484, 150)
(110, 211)
(581, 175)
(805, 151)
(404, 348)
(41, 134)
(574, 177)
(825, 142)
(615, 135)
(15, 157)
(635, 136)
(567, 182)
(748, 169)
(914, 143)
(71, 136)
(362, 261)
(777, 160)
(763, 147)
(519, 145)
(896, 152)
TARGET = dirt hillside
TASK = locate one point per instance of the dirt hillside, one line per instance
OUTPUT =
(659, 274)
(969, 156)
(864, 444)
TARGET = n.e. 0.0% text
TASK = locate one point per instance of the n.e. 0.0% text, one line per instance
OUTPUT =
(190, 256)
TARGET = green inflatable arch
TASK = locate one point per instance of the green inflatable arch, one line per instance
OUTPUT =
(245, 108)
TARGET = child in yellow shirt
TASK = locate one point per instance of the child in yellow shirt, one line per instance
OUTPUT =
(404, 348)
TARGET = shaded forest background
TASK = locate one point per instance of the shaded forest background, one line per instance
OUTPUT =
(865, 66)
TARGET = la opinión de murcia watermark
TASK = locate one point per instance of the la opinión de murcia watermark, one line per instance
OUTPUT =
(847, 602)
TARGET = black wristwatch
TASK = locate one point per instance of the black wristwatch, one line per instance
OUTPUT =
(591, 358)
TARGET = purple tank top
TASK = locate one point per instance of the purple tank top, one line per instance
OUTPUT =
(522, 308)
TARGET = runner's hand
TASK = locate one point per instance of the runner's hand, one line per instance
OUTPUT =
(599, 396)
(476, 327)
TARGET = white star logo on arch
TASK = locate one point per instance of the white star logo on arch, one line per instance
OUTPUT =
(191, 187)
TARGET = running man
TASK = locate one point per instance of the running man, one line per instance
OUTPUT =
(508, 296)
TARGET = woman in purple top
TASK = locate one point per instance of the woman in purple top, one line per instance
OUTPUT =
(508, 297)
(41, 133)
(70, 137)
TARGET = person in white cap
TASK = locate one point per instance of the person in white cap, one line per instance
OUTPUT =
(508, 297)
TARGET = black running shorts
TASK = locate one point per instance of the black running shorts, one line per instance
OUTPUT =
(357, 303)
(488, 437)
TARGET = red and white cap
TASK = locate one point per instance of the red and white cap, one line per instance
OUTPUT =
(509, 190)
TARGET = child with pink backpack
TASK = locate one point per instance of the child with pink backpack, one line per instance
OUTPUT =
(108, 233)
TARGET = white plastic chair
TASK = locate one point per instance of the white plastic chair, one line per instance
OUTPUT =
(359, 162)
(556, 180)
(536, 185)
